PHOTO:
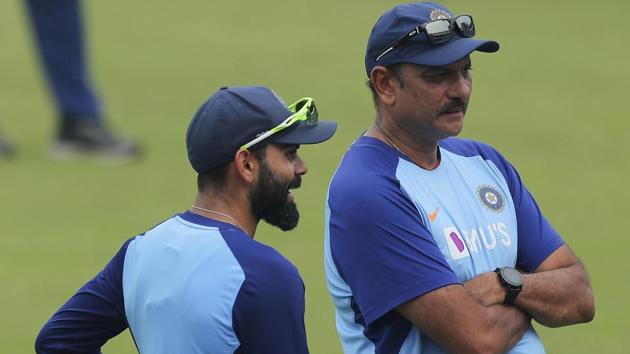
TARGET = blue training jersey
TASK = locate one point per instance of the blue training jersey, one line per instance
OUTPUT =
(395, 231)
(189, 285)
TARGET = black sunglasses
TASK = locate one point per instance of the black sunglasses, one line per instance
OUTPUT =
(438, 31)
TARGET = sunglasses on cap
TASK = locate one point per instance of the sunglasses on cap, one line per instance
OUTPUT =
(438, 31)
(304, 111)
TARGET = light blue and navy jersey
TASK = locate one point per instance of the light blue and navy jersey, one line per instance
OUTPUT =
(189, 285)
(395, 231)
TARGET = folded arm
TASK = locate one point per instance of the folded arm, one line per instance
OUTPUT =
(460, 324)
(557, 294)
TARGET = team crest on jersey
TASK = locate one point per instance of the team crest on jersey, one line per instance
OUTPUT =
(491, 198)
(437, 14)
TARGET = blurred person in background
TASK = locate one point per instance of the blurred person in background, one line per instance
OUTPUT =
(199, 282)
(82, 131)
(433, 243)
(6, 148)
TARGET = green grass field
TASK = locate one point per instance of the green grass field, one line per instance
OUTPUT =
(553, 100)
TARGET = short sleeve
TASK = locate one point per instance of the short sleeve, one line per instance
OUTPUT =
(537, 239)
(380, 246)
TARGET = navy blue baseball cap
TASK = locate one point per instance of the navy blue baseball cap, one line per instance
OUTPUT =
(234, 116)
(400, 20)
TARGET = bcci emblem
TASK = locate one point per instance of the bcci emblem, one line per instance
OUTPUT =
(491, 198)
(437, 14)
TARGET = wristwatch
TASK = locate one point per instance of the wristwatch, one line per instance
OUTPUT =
(512, 280)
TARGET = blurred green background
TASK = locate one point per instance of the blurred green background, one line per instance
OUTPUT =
(553, 100)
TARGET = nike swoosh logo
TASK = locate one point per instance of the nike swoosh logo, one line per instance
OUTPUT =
(434, 215)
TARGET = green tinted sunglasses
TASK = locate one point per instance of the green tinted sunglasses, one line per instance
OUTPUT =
(305, 111)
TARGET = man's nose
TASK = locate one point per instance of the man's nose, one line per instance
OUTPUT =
(460, 86)
(300, 167)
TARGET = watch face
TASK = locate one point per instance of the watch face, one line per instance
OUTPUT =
(512, 276)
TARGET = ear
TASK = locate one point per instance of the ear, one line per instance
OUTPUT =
(385, 83)
(246, 165)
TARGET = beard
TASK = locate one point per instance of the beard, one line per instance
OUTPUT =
(269, 199)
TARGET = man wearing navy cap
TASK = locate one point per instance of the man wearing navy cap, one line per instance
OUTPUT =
(199, 282)
(433, 243)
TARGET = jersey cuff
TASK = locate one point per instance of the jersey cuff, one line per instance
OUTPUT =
(542, 257)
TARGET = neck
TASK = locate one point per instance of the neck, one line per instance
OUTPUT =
(226, 209)
(422, 152)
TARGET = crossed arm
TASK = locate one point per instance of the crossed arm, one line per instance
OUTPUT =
(557, 294)
(460, 324)
(472, 319)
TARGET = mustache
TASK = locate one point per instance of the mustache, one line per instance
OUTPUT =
(454, 105)
(295, 183)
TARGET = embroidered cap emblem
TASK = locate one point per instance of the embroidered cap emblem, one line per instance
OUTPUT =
(279, 98)
(437, 14)
(491, 198)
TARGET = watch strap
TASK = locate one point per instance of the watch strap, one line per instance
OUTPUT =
(511, 295)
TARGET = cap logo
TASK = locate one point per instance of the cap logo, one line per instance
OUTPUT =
(279, 98)
(261, 133)
(438, 14)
